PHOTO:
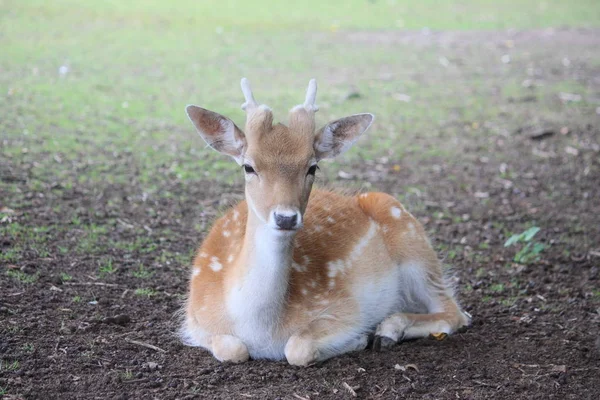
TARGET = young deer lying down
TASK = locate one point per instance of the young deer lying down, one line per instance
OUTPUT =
(308, 275)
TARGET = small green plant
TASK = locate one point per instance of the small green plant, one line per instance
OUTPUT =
(28, 347)
(107, 267)
(145, 292)
(76, 299)
(3, 390)
(127, 375)
(531, 250)
(65, 277)
(9, 366)
(142, 272)
(22, 276)
(498, 287)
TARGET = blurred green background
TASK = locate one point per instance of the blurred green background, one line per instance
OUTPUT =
(91, 91)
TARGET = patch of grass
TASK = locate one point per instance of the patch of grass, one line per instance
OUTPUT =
(9, 365)
(65, 277)
(13, 329)
(107, 267)
(530, 250)
(498, 287)
(127, 375)
(28, 347)
(145, 292)
(11, 255)
(142, 272)
(22, 276)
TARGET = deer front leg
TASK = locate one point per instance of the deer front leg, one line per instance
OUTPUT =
(321, 340)
(229, 348)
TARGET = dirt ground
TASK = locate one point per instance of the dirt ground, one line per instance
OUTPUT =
(77, 333)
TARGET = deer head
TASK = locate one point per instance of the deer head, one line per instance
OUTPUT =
(279, 162)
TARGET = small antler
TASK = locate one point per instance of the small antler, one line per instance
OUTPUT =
(250, 102)
(302, 116)
(258, 117)
(311, 96)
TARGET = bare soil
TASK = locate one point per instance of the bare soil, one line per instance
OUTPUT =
(535, 332)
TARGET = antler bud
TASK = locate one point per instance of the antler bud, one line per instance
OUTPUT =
(302, 116)
(258, 117)
(250, 102)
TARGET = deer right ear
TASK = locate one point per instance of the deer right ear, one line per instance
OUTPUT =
(218, 131)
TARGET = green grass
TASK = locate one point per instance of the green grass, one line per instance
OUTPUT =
(22, 276)
(147, 292)
(142, 272)
(132, 66)
(106, 267)
(9, 366)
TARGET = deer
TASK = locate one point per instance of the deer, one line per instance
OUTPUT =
(305, 275)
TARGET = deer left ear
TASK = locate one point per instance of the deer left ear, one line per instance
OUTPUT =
(338, 136)
(218, 131)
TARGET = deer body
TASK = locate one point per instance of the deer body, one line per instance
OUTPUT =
(302, 275)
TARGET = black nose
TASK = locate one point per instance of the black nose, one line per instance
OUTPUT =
(285, 221)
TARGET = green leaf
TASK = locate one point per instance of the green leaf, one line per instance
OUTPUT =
(512, 240)
(530, 233)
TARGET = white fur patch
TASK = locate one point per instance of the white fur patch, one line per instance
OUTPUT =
(330, 220)
(230, 258)
(363, 242)
(215, 265)
(195, 271)
(335, 267)
(226, 233)
(396, 212)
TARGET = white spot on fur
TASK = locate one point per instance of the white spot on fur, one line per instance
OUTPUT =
(195, 271)
(298, 267)
(363, 242)
(230, 258)
(236, 215)
(304, 291)
(313, 284)
(301, 267)
(318, 228)
(215, 265)
(226, 233)
(330, 220)
(334, 267)
(331, 283)
(396, 212)
(364, 195)
(203, 255)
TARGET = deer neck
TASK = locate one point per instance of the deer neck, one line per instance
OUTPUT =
(258, 294)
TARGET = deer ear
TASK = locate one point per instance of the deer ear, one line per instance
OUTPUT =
(218, 131)
(338, 136)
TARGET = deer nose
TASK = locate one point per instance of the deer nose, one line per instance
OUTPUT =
(286, 221)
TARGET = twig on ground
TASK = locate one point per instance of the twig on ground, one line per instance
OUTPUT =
(148, 345)
(91, 284)
(349, 388)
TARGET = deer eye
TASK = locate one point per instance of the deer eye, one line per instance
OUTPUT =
(248, 169)
(312, 170)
